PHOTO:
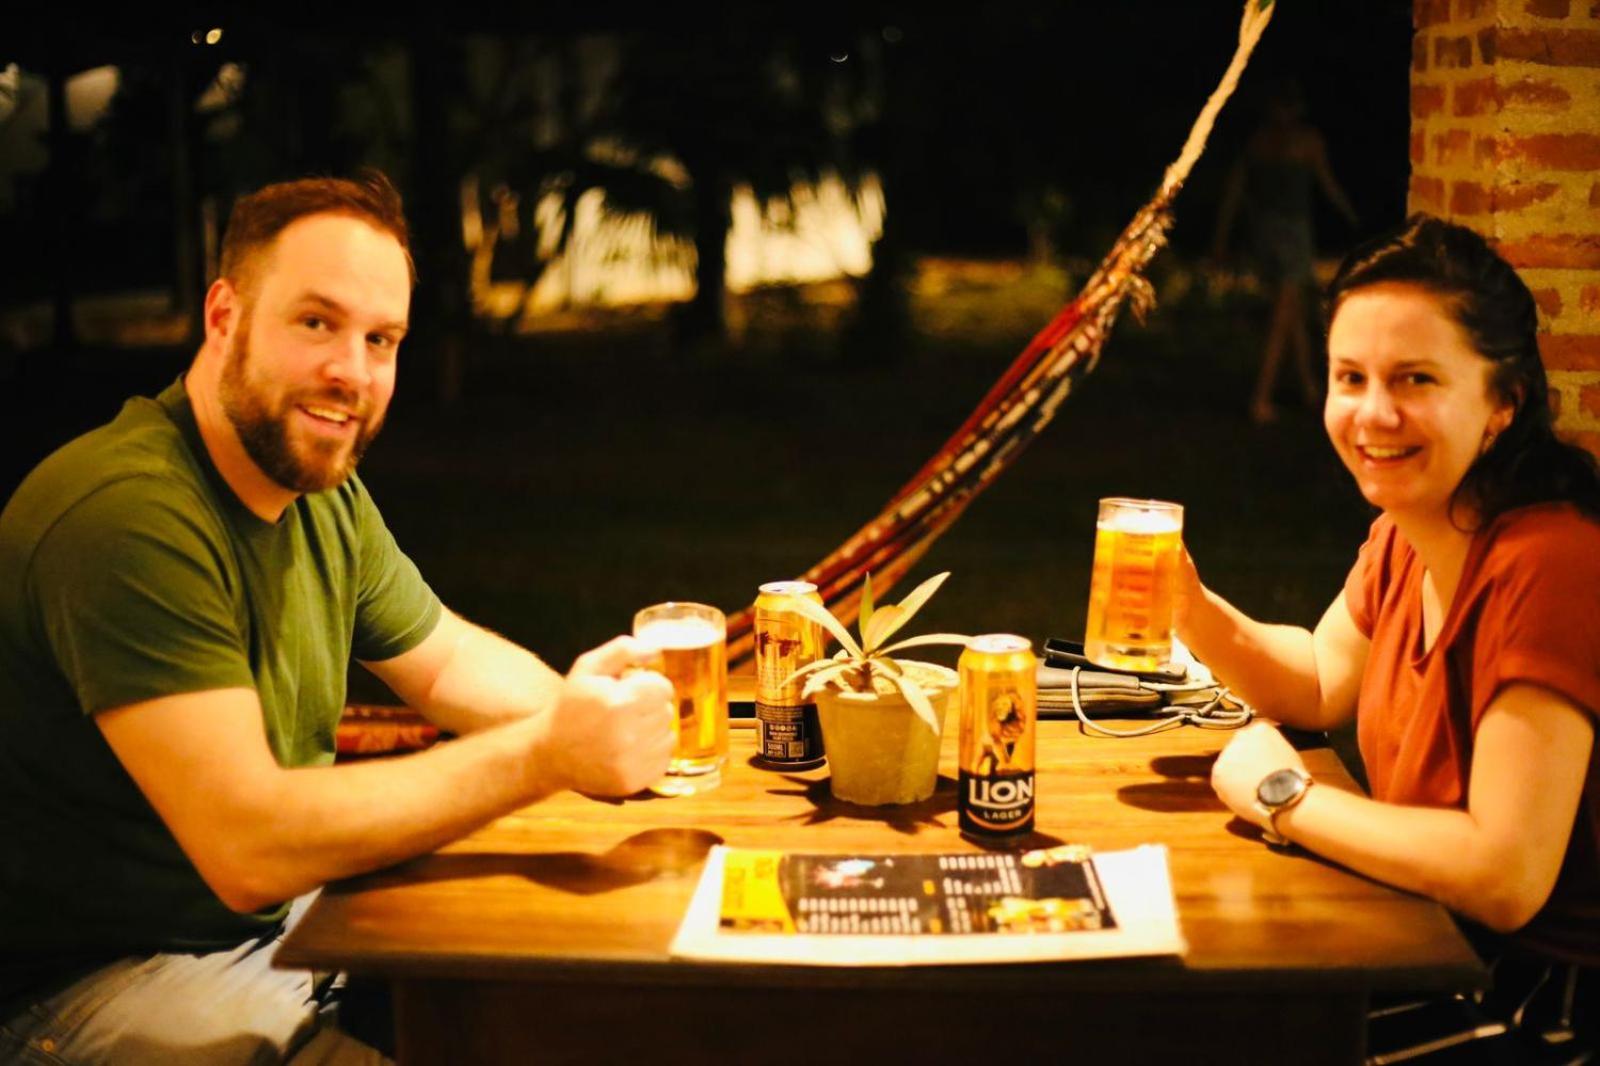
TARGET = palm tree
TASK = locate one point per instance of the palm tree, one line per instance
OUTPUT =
(666, 126)
(739, 102)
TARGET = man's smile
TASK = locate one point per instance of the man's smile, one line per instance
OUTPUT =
(329, 418)
(326, 414)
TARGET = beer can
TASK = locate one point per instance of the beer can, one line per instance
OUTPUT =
(788, 735)
(999, 705)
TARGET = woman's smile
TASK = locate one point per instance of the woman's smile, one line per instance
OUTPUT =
(1409, 404)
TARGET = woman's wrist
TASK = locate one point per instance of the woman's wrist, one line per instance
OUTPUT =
(1199, 627)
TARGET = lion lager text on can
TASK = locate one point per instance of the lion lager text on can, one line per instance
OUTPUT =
(1136, 546)
(999, 702)
(787, 733)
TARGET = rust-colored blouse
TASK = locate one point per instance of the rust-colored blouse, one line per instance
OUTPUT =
(1527, 609)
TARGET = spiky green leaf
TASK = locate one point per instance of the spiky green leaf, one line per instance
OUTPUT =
(917, 699)
(822, 678)
(823, 617)
(809, 669)
(888, 666)
(926, 639)
(868, 608)
(884, 621)
(913, 603)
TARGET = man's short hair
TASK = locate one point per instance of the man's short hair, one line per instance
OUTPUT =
(257, 219)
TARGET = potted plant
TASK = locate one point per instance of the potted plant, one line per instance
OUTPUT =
(882, 717)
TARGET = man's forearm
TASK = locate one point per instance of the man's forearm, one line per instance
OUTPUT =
(599, 734)
(258, 832)
(315, 825)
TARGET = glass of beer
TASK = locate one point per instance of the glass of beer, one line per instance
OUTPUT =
(691, 640)
(1136, 544)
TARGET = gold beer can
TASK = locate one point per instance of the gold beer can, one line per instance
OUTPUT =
(999, 704)
(788, 735)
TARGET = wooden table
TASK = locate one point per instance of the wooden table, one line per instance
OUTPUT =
(543, 937)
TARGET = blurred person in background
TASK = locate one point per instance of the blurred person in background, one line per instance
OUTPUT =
(1271, 186)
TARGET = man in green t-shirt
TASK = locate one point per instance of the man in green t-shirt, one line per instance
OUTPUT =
(180, 593)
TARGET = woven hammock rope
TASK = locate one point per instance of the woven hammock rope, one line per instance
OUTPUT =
(1025, 398)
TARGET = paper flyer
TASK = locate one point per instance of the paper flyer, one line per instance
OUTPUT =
(930, 908)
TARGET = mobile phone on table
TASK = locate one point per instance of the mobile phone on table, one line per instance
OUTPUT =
(1069, 653)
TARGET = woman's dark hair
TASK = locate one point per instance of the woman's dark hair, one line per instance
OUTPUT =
(1526, 463)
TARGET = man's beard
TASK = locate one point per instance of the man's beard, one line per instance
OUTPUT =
(265, 432)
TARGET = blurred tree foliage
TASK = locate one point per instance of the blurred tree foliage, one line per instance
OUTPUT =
(1035, 127)
(665, 124)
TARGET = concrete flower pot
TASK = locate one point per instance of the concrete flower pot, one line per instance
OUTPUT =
(879, 751)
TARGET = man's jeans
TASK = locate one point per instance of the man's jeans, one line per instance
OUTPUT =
(187, 1010)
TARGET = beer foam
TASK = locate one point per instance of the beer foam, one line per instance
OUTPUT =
(1000, 643)
(788, 588)
(668, 634)
(1143, 522)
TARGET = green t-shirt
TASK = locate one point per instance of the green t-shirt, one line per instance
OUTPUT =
(129, 570)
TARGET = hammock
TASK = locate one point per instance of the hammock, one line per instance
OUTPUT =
(1023, 401)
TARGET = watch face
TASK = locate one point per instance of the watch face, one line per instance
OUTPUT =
(1280, 787)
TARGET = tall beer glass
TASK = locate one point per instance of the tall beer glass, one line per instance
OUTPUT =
(1136, 544)
(691, 639)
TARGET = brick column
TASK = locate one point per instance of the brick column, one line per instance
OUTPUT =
(1505, 138)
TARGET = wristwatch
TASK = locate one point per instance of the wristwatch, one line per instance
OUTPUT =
(1277, 792)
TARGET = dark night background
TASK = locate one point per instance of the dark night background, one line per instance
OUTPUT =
(550, 482)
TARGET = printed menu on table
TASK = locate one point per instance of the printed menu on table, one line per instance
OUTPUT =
(913, 909)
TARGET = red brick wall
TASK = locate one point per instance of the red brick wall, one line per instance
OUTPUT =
(1505, 138)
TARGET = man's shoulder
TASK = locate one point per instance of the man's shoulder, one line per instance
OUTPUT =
(138, 458)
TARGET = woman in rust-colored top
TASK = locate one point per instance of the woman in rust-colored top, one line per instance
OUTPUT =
(1467, 639)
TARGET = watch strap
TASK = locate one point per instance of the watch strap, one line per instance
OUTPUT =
(1270, 834)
